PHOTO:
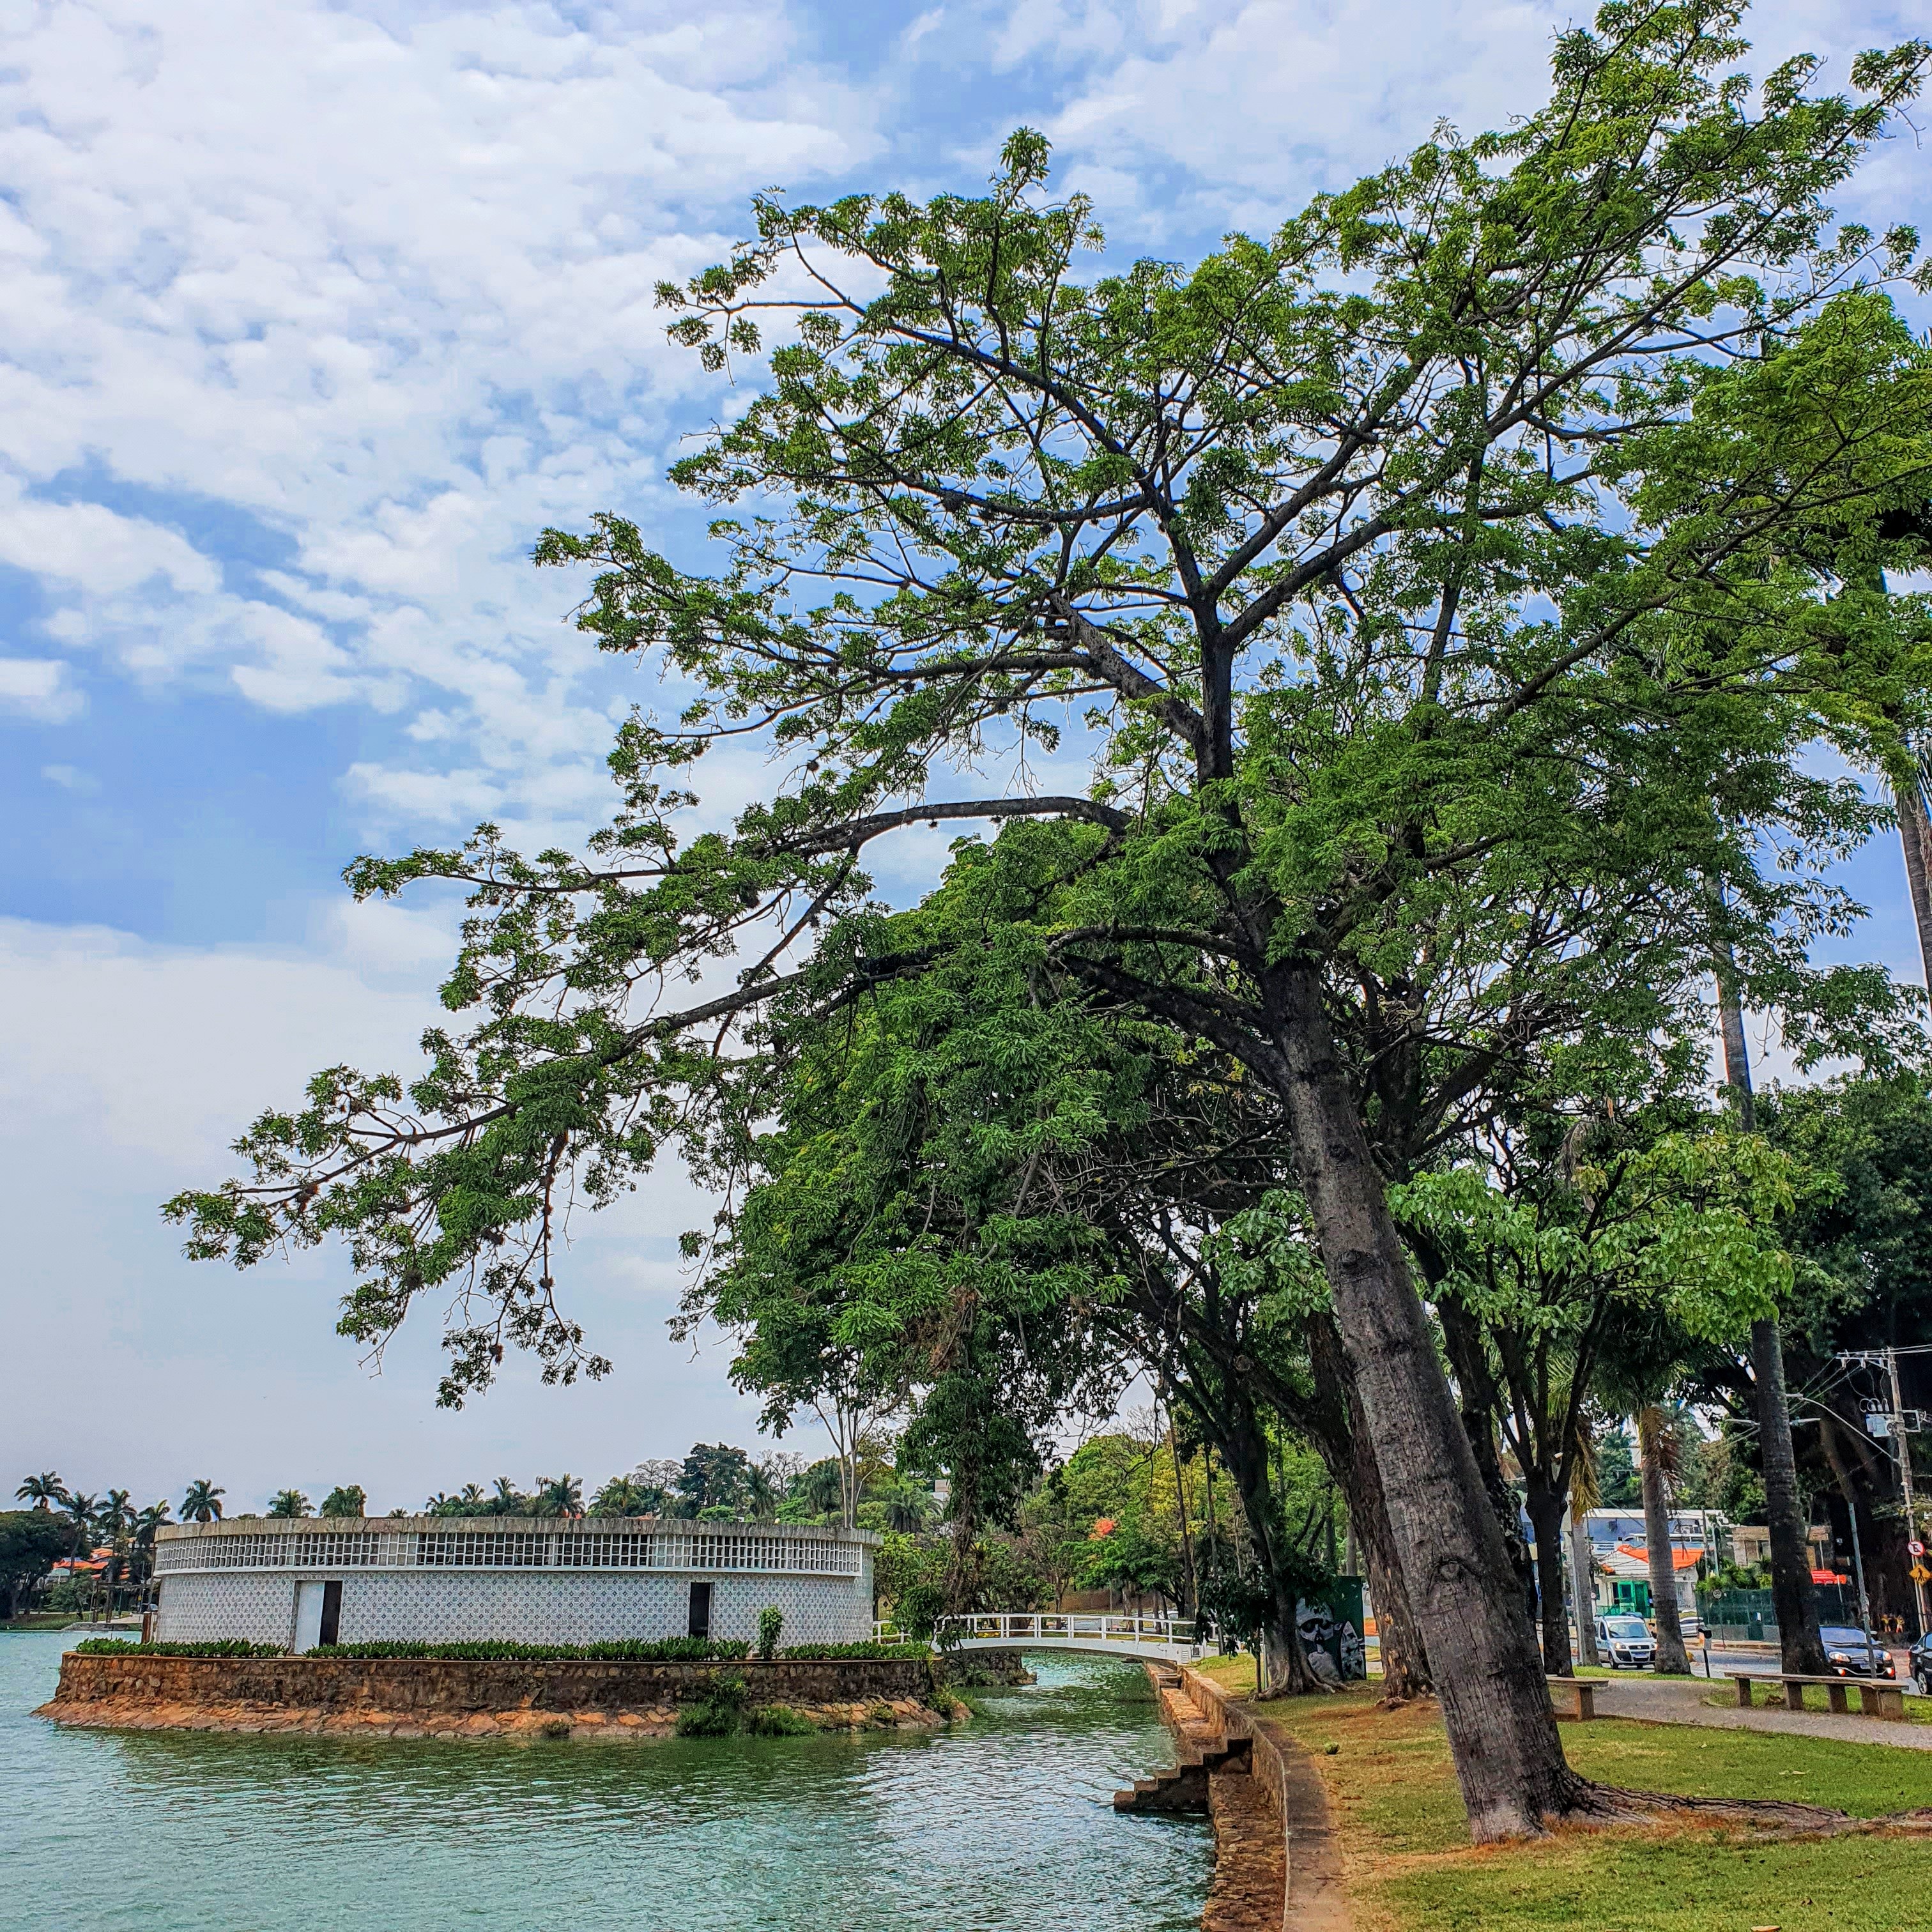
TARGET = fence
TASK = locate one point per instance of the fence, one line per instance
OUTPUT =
(1750, 1616)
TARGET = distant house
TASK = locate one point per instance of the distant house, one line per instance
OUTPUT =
(1622, 1580)
(1750, 1545)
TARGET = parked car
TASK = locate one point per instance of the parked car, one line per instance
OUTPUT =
(1855, 1653)
(1624, 1642)
(1921, 1664)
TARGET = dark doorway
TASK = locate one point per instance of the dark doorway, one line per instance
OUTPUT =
(331, 1612)
(701, 1609)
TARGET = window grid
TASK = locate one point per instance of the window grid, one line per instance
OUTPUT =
(708, 1550)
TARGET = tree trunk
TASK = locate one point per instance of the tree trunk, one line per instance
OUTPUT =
(1482, 1651)
(1243, 1445)
(1583, 1583)
(1792, 1597)
(1546, 1518)
(1404, 1655)
(1915, 835)
(1480, 1403)
(1342, 1433)
(1659, 1551)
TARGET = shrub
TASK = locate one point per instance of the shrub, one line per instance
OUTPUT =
(883, 1713)
(817, 1653)
(718, 1715)
(232, 1646)
(555, 1727)
(662, 1650)
(778, 1721)
(771, 1621)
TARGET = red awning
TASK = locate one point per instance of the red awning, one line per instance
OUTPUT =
(1829, 1577)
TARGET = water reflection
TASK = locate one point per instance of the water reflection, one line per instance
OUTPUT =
(1004, 1822)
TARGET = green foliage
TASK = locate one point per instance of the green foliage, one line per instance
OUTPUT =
(715, 1477)
(1618, 1485)
(718, 1714)
(287, 1503)
(558, 1495)
(346, 1499)
(31, 1540)
(636, 1650)
(623, 1496)
(811, 1653)
(202, 1502)
(776, 1721)
(233, 1646)
(1422, 565)
(771, 1621)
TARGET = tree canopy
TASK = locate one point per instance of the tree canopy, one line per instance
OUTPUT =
(1435, 583)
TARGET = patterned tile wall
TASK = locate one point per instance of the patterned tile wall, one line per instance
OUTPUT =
(438, 1606)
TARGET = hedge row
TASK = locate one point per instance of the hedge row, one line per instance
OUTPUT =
(232, 1646)
(811, 1653)
(664, 1650)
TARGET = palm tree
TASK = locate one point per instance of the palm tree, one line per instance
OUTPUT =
(202, 1502)
(508, 1500)
(558, 1496)
(624, 1495)
(146, 1523)
(288, 1503)
(80, 1512)
(472, 1495)
(45, 1491)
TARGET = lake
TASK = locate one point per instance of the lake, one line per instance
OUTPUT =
(1003, 1822)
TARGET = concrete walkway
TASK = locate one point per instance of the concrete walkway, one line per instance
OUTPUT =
(1664, 1701)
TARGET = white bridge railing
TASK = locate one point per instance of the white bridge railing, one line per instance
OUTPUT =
(1177, 1639)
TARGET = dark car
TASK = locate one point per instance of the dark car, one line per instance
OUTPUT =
(1922, 1664)
(1855, 1653)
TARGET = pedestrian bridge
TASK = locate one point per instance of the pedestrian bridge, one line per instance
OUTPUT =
(1172, 1640)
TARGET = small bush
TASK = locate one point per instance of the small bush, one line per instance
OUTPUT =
(718, 1715)
(883, 1713)
(638, 1650)
(778, 1721)
(771, 1621)
(852, 1653)
(232, 1646)
(555, 1727)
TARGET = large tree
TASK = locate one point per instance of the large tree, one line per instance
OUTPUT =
(1397, 562)
(1608, 1255)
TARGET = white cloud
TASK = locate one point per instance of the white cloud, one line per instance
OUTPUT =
(143, 1061)
(380, 284)
(39, 688)
(1185, 114)
(71, 778)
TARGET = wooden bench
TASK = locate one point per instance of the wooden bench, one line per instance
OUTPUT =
(1877, 1697)
(1582, 1694)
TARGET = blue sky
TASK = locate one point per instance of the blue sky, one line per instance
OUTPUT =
(314, 316)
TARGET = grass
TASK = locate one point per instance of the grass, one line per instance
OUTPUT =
(1918, 1710)
(1410, 1866)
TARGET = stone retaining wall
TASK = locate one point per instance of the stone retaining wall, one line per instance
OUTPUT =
(592, 1698)
(425, 1685)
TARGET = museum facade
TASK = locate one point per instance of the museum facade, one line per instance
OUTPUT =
(304, 1582)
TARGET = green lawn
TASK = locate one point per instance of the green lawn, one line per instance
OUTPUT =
(1411, 1867)
(1918, 1710)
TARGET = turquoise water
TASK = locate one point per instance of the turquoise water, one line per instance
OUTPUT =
(1004, 1822)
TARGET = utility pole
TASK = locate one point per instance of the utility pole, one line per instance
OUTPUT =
(1905, 1476)
(1900, 1425)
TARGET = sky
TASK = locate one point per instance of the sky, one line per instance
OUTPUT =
(312, 317)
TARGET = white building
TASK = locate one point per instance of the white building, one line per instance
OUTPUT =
(439, 1580)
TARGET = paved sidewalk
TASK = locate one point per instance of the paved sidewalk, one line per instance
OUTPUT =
(1664, 1701)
